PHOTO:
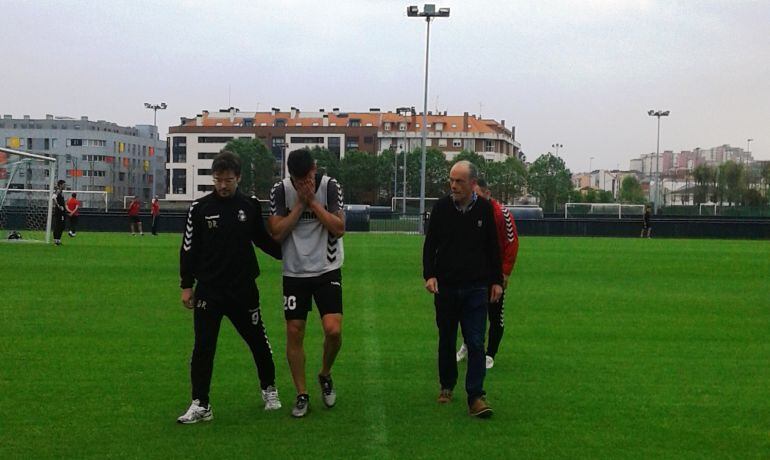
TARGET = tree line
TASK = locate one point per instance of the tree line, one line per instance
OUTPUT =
(369, 179)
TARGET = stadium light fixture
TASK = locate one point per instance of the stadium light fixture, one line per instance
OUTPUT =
(428, 12)
(658, 114)
(155, 108)
(557, 147)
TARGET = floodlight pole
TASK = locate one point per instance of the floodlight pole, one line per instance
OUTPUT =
(155, 108)
(748, 146)
(403, 111)
(657, 113)
(429, 12)
(557, 146)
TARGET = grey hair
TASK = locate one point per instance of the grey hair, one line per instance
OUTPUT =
(473, 171)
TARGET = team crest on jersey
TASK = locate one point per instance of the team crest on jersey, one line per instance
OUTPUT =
(479, 224)
(241, 215)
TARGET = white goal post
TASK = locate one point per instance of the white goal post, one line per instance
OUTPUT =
(401, 204)
(712, 206)
(619, 210)
(26, 187)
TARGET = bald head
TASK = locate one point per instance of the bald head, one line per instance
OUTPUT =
(462, 180)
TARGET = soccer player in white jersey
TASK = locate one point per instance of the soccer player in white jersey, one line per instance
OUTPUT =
(306, 216)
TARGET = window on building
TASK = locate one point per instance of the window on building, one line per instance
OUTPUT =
(428, 142)
(386, 127)
(205, 188)
(489, 146)
(354, 122)
(307, 140)
(179, 181)
(47, 144)
(457, 143)
(439, 126)
(280, 122)
(207, 155)
(351, 142)
(402, 126)
(204, 172)
(442, 142)
(368, 139)
(179, 149)
(214, 139)
(334, 145)
(121, 176)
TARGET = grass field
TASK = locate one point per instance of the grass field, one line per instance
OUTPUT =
(614, 348)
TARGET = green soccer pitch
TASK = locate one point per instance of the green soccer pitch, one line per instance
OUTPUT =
(614, 348)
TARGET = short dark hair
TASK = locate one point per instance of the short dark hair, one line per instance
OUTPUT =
(74, 195)
(226, 161)
(61, 181)
(482, 182)
(300, 162)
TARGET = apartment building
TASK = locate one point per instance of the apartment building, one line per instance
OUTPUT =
(98, 156)
(195, 141)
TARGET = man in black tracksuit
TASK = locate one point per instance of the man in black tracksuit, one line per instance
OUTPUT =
(59, 212)
(217, 252)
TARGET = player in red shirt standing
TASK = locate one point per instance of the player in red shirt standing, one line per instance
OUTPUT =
(508, 239)
(133, 216)
(155, 211)
(73, 209)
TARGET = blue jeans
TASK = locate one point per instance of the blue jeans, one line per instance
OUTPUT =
(465, 305)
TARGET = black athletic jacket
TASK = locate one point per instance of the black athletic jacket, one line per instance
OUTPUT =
(216, 247)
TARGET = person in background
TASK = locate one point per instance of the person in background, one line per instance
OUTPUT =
(155, 211)
(59, 212)
(646, 226)
(73, 209)
(133, 216)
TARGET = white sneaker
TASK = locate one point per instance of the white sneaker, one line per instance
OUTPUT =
(462, 353)
(490, 362)
(270, 397)
(196, 413)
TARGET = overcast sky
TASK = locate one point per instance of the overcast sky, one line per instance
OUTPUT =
(578, 73)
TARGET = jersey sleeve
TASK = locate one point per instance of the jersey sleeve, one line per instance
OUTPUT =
(261, 238)
(278, 200)
(334, 202)
(189, 250)
(510, 246)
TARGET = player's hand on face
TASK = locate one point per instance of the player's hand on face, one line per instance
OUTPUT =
(495, 293)
(505, 282)
(188, 299)
(432, 285)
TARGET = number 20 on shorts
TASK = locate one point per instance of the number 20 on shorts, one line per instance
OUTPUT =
(290, 302)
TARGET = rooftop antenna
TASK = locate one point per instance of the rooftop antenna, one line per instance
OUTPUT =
(480, 106)
(229, 103)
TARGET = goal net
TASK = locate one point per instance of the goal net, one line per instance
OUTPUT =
(26, 187)
(707, 209)
(609, 210)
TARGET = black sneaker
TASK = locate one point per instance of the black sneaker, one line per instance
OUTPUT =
(301, 406)
(328, 395)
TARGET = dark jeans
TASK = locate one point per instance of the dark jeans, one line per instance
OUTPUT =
(465, 306)
(155, 220)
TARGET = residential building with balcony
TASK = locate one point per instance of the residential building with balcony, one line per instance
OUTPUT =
(195, 141)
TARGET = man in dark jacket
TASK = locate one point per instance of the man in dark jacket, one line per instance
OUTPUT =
(217, 253)
(462, 269)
